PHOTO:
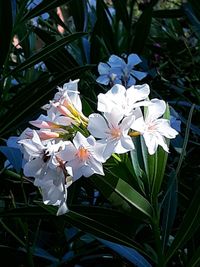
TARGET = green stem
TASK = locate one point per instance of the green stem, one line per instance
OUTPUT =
(157, 236)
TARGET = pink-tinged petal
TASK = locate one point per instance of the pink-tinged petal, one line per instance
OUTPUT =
(44, 124)
(97, 126)
(151, 142)
(68, 153)
(133, 59)
(64, 121)
(155, 110)
(63, 110)
(45, 135)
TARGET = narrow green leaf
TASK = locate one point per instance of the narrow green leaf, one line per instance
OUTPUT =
(142, 30)
(44, 6)
(189, 226)
(126, 192)
(169, 209)
(122, 13)
(34, 99)
(98, 229)
(47, 51)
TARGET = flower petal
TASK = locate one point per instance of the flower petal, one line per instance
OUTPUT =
(133, 59)
(155, 110)
(97, 126)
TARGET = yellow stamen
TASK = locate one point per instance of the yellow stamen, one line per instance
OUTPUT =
(115, 132)
(134, 134)
(82, 153)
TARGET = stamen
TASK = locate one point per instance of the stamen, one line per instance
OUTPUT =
(82, 153)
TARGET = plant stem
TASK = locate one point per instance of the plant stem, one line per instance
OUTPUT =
(156, 232)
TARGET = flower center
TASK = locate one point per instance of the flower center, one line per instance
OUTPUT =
(115, 132)
(82, 153)
(151, 127)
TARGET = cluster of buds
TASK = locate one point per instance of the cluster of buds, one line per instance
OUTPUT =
(67, 145)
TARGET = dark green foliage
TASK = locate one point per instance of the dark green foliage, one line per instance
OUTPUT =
(148, 203)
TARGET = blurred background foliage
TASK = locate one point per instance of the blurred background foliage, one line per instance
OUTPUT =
(44, 44)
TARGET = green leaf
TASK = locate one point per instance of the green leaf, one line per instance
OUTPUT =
(98, 229)
(122, 13)
(47, 51)
(44, 6)
(33, 96)
(125, 192)
(169, 208)
(189, 226)
(193, 19)
(142, 30)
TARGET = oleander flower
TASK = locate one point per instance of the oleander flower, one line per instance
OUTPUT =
(83, 157)
(112, 130)
(153, 128)
(117, 71)
(125, 100)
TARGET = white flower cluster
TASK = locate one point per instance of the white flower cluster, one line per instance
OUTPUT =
(68, 145)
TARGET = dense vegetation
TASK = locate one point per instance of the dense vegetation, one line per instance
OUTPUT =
(43, 45)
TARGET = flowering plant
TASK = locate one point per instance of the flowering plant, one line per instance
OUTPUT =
(66, 145)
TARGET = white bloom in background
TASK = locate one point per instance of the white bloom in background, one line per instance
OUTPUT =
(117, 71)
(153, 129)
(112, 130)
(107, 75)
(125, 100)
(84, 157)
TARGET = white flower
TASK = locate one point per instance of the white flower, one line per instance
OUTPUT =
(153, 129)
(66, 101)
(113, 131)
(40, 155)
(125, 100)
(45, 166)
(84, 157)
(117, 71)
(54, 189)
